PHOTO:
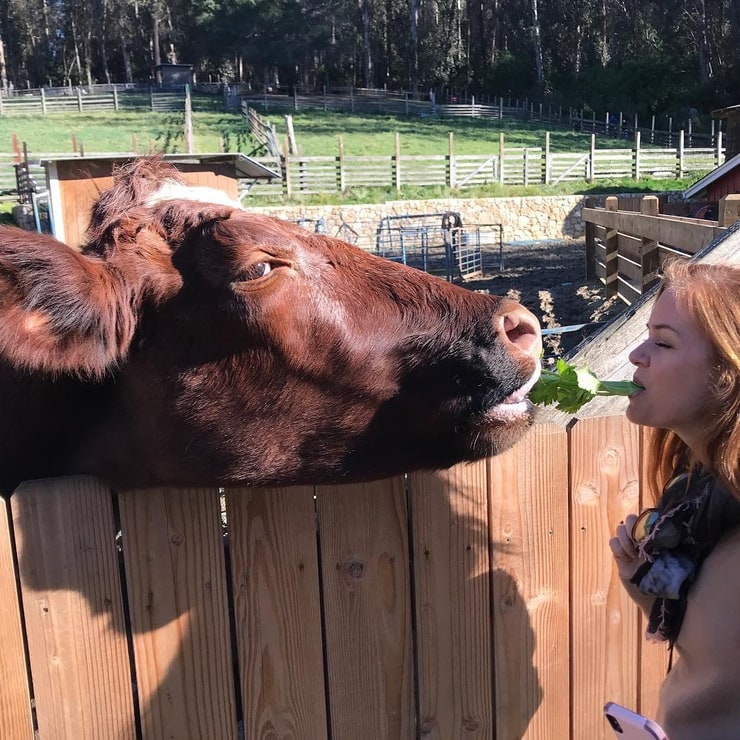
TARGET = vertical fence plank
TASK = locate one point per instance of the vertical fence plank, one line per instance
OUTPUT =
(529, 526)
(605, 650)
(611, 256)
(364, 553)
(15, 697)
(274, 562)
(73, 609)
(649, 248)
(653, 665)
(452, 582)
(176, 576)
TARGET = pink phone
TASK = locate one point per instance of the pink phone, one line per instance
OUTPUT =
(629, 725)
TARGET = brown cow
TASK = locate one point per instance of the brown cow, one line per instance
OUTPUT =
(195, 343)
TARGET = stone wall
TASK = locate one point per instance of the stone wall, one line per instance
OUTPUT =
(522, 219)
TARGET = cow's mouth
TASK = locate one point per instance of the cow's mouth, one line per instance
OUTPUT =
(516, 405)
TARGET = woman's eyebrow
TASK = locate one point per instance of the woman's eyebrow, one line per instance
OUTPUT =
(659, 327)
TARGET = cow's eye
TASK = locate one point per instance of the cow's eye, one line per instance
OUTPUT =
(255, 271)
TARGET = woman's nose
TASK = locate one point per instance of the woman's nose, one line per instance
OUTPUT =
(638, 356)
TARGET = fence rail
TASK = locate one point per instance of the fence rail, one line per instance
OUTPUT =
(78, 101)
(477, 603)
(629, 239)
(530, 166)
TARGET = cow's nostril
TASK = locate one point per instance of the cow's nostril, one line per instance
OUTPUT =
(523, 330)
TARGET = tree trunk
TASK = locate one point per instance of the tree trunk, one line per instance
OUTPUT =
(537, 38)
(366, 51)
(3, 70)
(414, 55)
(157, 58)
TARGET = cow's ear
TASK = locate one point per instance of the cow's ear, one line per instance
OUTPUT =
(62, 311)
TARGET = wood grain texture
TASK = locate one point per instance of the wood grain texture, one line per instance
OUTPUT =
(605, 459)
(275, 573)
(15, 697)
(653, 656)
(453, 593)
(530, 566)
(176, 577)
(365, 566)
(73, 609)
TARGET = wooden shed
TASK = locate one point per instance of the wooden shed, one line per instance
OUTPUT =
(721, 181)
(75, 182)
(731, 115)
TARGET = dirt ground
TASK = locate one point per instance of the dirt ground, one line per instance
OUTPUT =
(550, 279)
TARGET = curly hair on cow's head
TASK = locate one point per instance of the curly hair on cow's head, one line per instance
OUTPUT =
(133, 183)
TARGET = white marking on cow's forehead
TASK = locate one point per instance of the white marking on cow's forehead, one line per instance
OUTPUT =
(171, 190)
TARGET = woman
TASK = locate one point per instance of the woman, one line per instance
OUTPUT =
(681, 561)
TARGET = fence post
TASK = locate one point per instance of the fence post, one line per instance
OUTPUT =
(501, 108)
(611, 258)
(340, 164)
(397, 162)
(115, 98)
(501, 158)
(590, 228)
(718, 158)
(636, 168)
(79, 100)
(451, 174)
(729, 209)
(547, 158)
(649, 206)
(43, 101)
(680, 153)
(592, 159)
(288, 184)
(526, 166)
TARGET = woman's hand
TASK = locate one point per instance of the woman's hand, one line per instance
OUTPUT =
(624, 550)
(628, 560)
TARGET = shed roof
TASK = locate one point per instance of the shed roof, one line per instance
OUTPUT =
(244, 167)
(700, 185)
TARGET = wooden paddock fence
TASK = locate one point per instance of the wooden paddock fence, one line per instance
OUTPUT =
(505, 165)
(476, 603)
(628, 239)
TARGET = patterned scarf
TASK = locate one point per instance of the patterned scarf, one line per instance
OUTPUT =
(694, 512)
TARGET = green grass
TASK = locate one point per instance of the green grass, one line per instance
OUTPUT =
(123, 132)
(379, 195)
(317, 134)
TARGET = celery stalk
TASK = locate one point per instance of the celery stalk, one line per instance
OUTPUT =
(570, 388)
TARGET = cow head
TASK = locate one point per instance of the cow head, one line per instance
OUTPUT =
(218, 346)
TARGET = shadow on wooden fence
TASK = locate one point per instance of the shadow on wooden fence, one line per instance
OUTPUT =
(478, 602)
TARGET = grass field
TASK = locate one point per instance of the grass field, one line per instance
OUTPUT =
(317, 134)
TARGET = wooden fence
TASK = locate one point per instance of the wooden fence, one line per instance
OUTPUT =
(629, 239)
(503, 166)
(78, 101)
(477, 603)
